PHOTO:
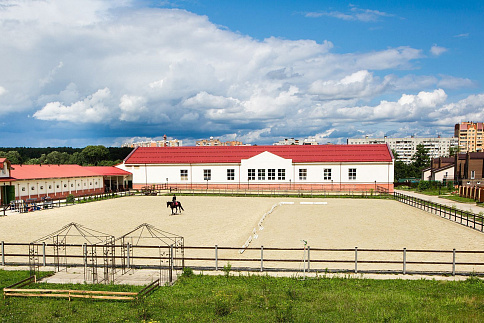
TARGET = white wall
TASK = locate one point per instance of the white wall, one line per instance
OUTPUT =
(441, 175)
(160, 174)
(26, 188)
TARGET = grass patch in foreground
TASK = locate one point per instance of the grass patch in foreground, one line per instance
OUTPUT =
(268, 299)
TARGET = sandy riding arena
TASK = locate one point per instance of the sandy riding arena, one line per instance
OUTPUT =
(230, 221)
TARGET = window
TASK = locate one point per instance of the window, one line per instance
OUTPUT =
(261, 174)
(230, 174)
(271, 174)
(33, 188)
(251, 174)
(57, 186)
(50, 186)
(41, 187)
(352, 173)
(23, 189)
(281, 174)
(473, 174)
(184, 174)
(303, 173)
(327, 174)
(207, 174)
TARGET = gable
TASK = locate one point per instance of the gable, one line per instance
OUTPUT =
(266, 159)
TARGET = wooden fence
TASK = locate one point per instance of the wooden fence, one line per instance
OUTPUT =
(15, 290)
(31, 205)
(351, 260)
(469, 219)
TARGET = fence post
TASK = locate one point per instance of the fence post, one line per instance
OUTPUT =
(356, 260)
(216, 257)
(261, 258)
(43, 253)
(128, 250)
(3, 253)
(309, 258)
(453, 262)
(404, 261)
(171, 263)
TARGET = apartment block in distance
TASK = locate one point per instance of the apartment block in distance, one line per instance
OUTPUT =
(310, 141)
(216, 142)
(470, 135)
(155, 143)
(406, 147)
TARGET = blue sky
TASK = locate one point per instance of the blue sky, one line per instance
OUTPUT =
(76, 73)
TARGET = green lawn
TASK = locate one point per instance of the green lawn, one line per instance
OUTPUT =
(263, 299)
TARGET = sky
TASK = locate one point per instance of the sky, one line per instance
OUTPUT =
(94, 72)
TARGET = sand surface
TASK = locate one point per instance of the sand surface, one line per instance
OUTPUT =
(229, 221)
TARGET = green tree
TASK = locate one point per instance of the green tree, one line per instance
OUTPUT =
(420, 160)
(56, 157)
(92, 155)
(76, 158)
(13, 156)
(453, 150)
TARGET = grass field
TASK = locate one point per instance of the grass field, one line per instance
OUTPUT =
(234, 298)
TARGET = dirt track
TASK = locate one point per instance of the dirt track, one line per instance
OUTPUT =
(227, 221)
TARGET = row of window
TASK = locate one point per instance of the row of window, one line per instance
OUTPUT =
(272, 174)
(41, 187)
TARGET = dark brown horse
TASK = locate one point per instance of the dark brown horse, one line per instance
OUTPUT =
(178, 207)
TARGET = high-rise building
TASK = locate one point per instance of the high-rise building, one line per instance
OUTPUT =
(310, 141)
(470, 136)
(155, 143)
(406, 147)
(217, 142)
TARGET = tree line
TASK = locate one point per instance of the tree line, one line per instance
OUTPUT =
(88, 156)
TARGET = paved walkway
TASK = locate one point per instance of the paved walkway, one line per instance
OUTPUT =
(471, 207)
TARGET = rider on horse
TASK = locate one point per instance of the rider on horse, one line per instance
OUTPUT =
(175, 203)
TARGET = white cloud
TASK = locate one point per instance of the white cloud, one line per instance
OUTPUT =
(360, 84)
(96, 62)
(354, 14)
(437, 50)
(132, 107)
(90, 110)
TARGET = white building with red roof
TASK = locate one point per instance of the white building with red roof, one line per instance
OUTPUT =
(21, 182)
(322, 167)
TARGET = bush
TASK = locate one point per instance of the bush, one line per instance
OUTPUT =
(424, 185)
(187, 272)
(70, 198)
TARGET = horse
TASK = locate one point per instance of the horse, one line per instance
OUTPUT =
(178, 207)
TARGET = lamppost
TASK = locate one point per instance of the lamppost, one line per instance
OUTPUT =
(167, 183)
(207, 183)
(289, 184)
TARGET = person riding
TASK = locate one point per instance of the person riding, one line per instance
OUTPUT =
(174, 200)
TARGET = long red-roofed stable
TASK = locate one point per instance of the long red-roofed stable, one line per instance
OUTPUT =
(234, 154)
(318, 167)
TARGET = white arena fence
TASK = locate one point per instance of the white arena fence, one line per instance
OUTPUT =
(263, 259)
(466, 218)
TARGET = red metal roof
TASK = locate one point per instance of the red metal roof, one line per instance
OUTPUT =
(2, 161)
(107, 170)
(234, 154)
(20, 172)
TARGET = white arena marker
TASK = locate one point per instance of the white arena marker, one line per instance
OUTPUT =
(282, 203)
(311, 203)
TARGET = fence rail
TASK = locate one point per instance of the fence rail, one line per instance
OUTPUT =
(466, 218)
(15, 290)
(30, 205)
(357, 260)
